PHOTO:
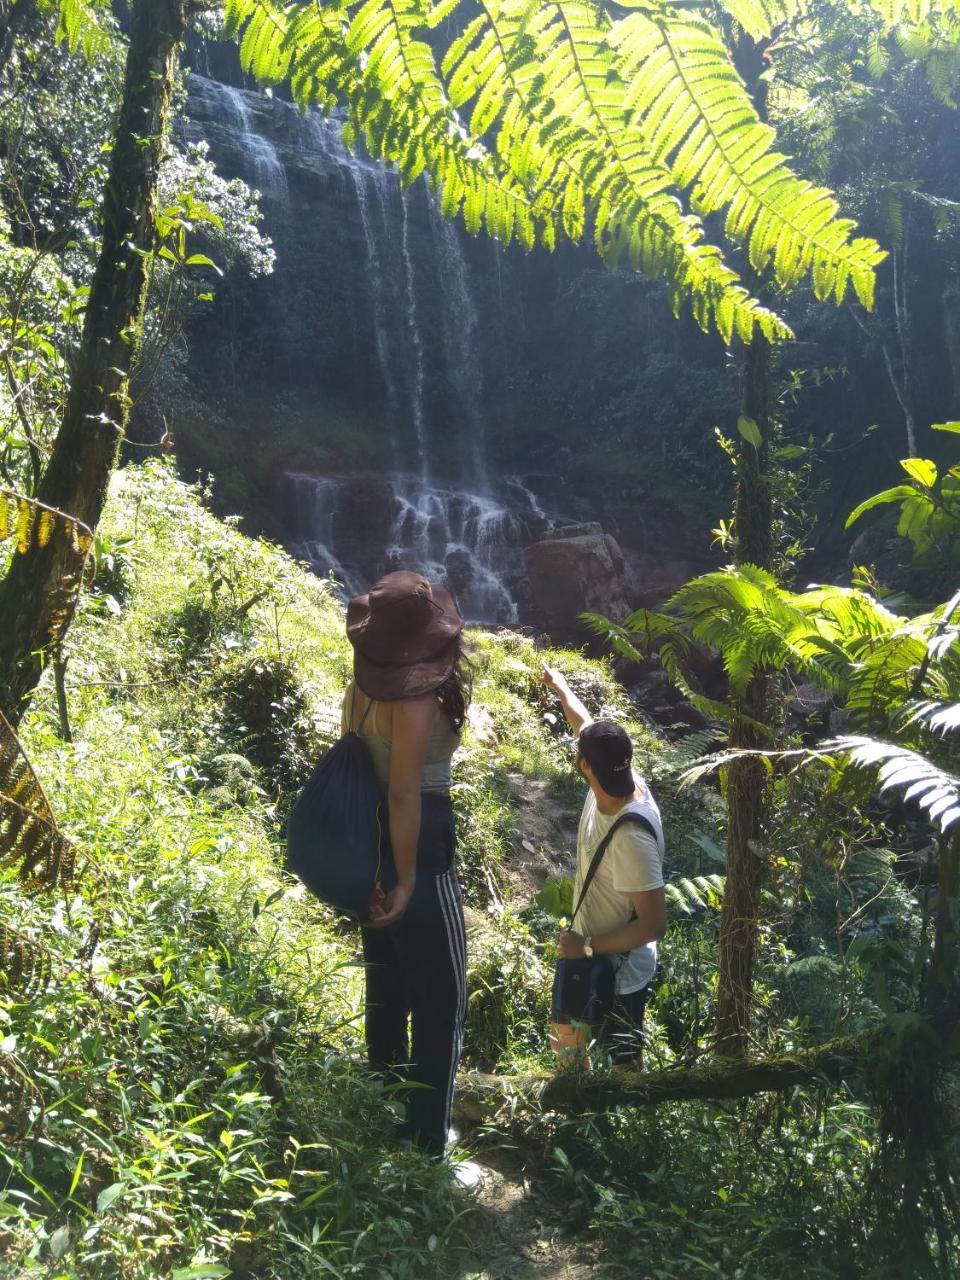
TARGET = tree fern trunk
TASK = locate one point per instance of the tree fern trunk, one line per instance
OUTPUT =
(85, 451)
(753, 522)
(753, 526)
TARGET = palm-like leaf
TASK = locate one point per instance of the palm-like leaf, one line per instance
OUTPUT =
(898, 768)
(30, 839)
(698, 117)
(30, 524)
(546, 118)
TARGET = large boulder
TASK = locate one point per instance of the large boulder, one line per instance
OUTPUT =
(362, 520)
(573, 575)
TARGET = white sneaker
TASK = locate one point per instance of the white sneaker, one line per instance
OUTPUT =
(466, 1174)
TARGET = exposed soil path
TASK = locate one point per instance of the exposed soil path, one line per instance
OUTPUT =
(520, 1232)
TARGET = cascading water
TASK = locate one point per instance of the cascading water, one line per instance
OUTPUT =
(459, 332)
(362, 185)
(413, 274)
(464, 539)
(416, 399)
(314, 501)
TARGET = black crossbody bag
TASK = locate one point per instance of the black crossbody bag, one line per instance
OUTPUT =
(583, 989)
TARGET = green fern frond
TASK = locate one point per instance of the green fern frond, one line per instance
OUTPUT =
(900, 769)
(546, 119)
(940, 717)
(760, 18)
(367, 57)
(84, 26)
(552, 66)
(25, 964)
(686, 96)
(695, 895)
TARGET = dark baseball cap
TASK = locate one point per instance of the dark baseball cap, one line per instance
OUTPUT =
(608, 751)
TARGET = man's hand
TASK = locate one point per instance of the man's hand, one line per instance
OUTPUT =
(570, 946)
(391, 909)
(554, 679)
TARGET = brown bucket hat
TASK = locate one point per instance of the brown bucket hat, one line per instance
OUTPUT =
(403, 632)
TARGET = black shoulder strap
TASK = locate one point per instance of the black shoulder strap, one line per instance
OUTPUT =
(638, 820)
(353, 707)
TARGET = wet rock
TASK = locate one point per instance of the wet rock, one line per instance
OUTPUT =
(839, 721)
(364, 514)
(459, 568)
(580, 529)
(570, 575)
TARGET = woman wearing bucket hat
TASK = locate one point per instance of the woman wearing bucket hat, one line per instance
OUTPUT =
(408, 702)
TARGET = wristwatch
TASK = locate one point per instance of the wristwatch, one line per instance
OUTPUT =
(588, 946)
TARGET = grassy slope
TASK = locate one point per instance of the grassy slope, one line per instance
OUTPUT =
(187, 1095)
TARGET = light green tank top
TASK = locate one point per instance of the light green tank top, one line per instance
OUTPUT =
(444, 741)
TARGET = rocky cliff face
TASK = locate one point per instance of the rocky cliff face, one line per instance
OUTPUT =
(411, 396)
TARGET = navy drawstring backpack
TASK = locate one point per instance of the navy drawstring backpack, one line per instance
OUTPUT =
(335, 831)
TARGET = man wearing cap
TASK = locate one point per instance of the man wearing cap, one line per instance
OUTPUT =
(623, 912)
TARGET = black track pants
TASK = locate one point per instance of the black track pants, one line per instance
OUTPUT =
(416, 975)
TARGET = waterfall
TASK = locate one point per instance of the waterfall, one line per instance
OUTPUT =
(460, 337)
(467, 540)
(362, 179)
(405, 306)
(312, 500)
(269, 175)
(417, 395)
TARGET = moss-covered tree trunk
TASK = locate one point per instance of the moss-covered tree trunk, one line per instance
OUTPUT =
(753, 528)
(753, 524)
(96, 411)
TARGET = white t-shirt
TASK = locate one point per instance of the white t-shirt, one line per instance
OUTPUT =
(633, 863)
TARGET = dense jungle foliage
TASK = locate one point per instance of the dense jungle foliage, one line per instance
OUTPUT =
(182, 1082)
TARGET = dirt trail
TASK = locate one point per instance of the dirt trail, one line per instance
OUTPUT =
(520, 1233)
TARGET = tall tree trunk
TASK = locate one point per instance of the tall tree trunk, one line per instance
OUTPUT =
(901, 310)
(95, 415)
(753, 523)
(951, 337)
(13, 18)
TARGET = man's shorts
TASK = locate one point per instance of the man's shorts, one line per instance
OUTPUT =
(585, 991)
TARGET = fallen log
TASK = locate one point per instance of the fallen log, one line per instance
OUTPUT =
(479, 1095)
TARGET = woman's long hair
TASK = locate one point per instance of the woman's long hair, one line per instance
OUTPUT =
(455, 692)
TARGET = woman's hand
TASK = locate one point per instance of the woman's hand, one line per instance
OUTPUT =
(391, 908)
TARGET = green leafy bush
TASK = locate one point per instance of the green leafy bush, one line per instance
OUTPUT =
(266, 712)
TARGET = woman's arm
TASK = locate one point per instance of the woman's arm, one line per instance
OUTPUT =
(413, 721)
